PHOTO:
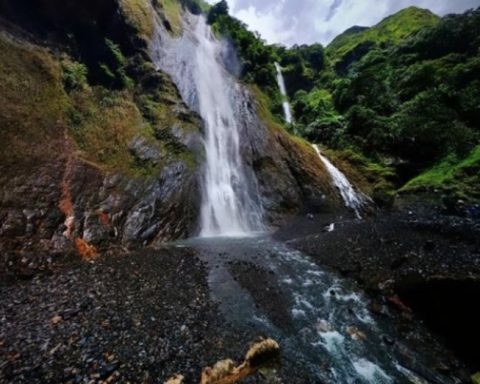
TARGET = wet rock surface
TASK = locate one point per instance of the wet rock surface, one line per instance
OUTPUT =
(400, 247)
(289, 173)
(109, 212)
(265, 290)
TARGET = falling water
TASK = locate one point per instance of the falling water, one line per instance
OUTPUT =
(351, 198)
(229, 205)
(283, 90)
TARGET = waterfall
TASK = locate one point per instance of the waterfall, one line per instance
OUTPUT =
(352, 199)
(283, 90)
(230, 205)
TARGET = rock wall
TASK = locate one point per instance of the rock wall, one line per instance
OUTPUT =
(85, 165)
(290, 175)
(99, 151)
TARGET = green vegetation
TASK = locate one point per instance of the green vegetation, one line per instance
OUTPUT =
(46, 98)
(302, 65)
(373, 178)
(114, 71)
(317, 118)
(257, 58)
(74, 75)
(413, 105)
(103, 123)
(391, 30)
(403, 95)
(33, 103)
(460, 177)
(171, 11)
(140, 16)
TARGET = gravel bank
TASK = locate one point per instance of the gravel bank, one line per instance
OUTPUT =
(137, 318)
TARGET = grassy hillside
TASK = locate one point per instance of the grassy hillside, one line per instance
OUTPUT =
(45, 95)
(33, 102)
(460, 177)
(391, 30)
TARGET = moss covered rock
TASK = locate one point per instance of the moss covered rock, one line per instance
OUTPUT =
(83, 164)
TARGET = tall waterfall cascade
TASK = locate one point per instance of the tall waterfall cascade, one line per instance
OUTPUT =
(230, 205)
(283, 90)
(352, 199)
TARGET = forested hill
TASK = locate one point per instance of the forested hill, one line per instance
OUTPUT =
(353, 43)
(400, 100)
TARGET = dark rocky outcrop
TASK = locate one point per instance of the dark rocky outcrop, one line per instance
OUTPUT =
(290, 174)
(83, 27)
(83, 166)
(419, 262)
(98, 151)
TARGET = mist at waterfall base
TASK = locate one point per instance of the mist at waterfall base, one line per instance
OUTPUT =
(230, 206)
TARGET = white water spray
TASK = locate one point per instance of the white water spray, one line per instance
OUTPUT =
(283, 90)
(229, 208)
(352, 199)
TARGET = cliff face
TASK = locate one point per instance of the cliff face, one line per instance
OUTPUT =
(97, 148)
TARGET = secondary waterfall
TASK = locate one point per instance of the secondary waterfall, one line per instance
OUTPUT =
(229, 205)
(351, 198)
(283, 90)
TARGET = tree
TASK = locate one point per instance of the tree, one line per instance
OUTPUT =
(219, 9)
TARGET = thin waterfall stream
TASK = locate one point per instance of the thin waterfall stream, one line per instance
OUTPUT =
(283, 90)
(352, 199)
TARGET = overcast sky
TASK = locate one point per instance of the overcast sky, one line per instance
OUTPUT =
(308, 21)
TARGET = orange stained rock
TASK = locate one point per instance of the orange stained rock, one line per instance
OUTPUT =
(87, 252)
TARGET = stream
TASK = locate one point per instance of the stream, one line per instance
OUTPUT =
(329, 332)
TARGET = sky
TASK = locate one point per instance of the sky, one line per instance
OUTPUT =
(291, 22)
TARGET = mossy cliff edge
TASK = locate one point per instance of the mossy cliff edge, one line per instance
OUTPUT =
(97, 148)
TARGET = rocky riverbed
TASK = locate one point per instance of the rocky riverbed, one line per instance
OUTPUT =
(422, 262)
(143, 317)
(128, 318)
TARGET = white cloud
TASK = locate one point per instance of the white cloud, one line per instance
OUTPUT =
(308, 21)
(269, 25)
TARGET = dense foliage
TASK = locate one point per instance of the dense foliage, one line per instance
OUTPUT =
(357, 41)
(417, 101)
(405, 93)
(257, 58)
(302, 64)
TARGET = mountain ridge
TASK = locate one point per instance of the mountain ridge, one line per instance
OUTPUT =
(390, 30)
